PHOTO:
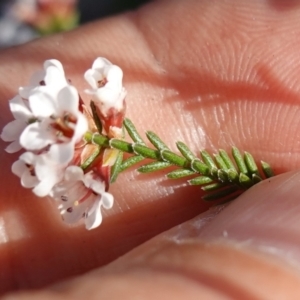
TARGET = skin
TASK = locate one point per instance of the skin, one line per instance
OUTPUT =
(209, 73)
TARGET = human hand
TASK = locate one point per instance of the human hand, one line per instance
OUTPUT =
(212, 74)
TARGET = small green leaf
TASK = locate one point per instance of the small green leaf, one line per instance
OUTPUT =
(220, 162)
(156, 141)
(208, 160)
(200, 180)
(133, 132)
(129, 162)
(213, 186)
(96, 118)
(219, 194)
(222, 175)
(173, 158)
(256, 178)
(198, 166)
(154, 166)
(239, 160)
(267, 169)
(97, 139)
(146, 151)
(251, 165)
(233, 175)
(116, 169)
(226, 159)
(180, 173)
(89, 160)
(121, 145)
(185, 151)
(245, 181)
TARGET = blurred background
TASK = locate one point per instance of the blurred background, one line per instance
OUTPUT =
(23, 20)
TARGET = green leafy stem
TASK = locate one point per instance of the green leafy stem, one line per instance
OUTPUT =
(221, 177)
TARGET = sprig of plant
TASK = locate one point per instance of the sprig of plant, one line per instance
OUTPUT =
(220, 176)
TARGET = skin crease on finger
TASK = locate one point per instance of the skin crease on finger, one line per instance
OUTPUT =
(220, 72)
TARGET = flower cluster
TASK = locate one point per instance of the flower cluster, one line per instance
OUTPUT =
(50, 122)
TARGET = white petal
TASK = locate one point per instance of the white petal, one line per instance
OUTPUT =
(96, 185)
(68, 192)
(107, 96)
(44, 187)
(45, 168)
(89, 76)
(74, 173)
(13, 130)
(19, 109)
(89, 180)
(94, 216)
(81, 127)
(25, 91)
(54, 62)
(29, 158)
(55, 77)
(68, 100)
(74, 214)
(18, 168)
(35, 137)
(42, 104)
(61, 153)
(100, 63)
(107, 200)
(13, 147)
(115, 75)
(28, 181)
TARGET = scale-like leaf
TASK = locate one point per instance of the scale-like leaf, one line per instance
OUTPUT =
(256, 178)
(250, 163)
(156, 141)
(198, 166)
(90, 159)
(239, 160)
(173, 158)
(245, 181)
(121, 145)
(213, 186)
(133, 132)
(129, 162)
(222, 175)
(219, 194)
(209, 161)
(154, 166)
(146, 151)
(220, 162)
(180, 173)
(229, 164)
(96, 118)
(185, 151)
(267, 169)
(233, 175)
(117, 167)
(200, 180)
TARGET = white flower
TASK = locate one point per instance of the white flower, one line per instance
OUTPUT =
(53, 76)
(81, 196)
(106, 82)
(61, 125)
(51, 81)
(38, 172)
(12, 131)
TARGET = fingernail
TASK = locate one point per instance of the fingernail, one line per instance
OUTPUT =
(266, 217)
